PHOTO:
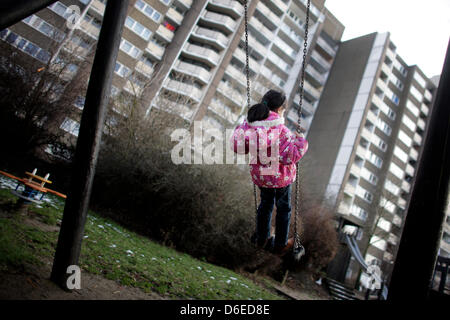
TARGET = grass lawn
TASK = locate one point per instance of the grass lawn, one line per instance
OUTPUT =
(119, 254)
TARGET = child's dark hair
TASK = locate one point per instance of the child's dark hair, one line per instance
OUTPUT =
(272, 100)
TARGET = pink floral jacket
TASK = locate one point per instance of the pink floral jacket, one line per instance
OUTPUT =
(261, 138)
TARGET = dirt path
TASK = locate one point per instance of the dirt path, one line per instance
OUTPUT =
(34, 284)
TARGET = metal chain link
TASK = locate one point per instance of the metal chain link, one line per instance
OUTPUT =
(247, 72)
(297, 243)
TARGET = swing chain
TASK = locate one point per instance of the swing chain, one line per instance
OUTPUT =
(297, 243)
(247, 71)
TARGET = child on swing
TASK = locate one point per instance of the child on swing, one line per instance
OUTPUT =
(265, 126)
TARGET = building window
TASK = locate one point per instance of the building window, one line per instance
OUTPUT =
(358, 212)
(399, 153)
(416, 93)
(138, 28)
(379, 143)
(404, 138)
(420, 80)
(369, 176)
(364, 194)
(396, 170)
(446, 237)
(130, 49)
(70, 126)
(122, 70)
(79, 102)
(25, 45)
(374, 159)
(148, 10)
(383, 126)
(391, 187)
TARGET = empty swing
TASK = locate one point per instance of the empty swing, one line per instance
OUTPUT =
(298, 250)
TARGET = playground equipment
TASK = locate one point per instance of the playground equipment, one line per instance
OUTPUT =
(34, 189)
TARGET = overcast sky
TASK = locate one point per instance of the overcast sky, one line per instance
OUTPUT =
(419, 28)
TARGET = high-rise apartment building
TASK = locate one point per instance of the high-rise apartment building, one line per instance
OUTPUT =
(366, 139)
(187, 57)
(365, 111)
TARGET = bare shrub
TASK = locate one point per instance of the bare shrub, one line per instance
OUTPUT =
(319, 236)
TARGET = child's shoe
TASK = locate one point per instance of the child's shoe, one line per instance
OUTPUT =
(281, 251)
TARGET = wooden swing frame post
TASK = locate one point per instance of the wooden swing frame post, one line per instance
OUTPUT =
(88, 144)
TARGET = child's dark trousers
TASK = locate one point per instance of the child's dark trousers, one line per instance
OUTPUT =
(269, 197)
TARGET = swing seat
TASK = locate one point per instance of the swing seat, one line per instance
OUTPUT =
(298, 253)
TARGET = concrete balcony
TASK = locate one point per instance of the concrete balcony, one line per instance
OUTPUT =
(184, 89)
(382, 85)
(284, 50)
(409, 170)
(185, 3)
(165, 33)
(203, 54)
(377, 101)
(321, 60)
(231, 94)
(278, 62)
(414, 154)
(291, 35)
(155, 50)
(210, 36)
(349, 189)
(144, 69)
(424, 108)
(236, 75)
(277, 6)
(98, 7)
(386, 69)
(371, 117)
(253, 64)
(390, 54)
(361, 152)
(417, 139)
(421, 124)
(401, 202)
(268, 16)
(219, 21)
(314, 10)
(193, 71)
(307, 108)
(326, 47)
(231, 7)
(388, 256)
(223, 111)
(271, 76)
(312, 92)
(428, 96)
(133, 88)
(174, 16)
(397, 220)
(292, 115)
(406, 186)
(355, 170)
(90, 29)
(254, 44)
(263, 34)
(176, 108)
(344, 208)
(366, 134)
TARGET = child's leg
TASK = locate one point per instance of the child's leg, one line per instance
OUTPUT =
(283, 200)
(264, 217)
